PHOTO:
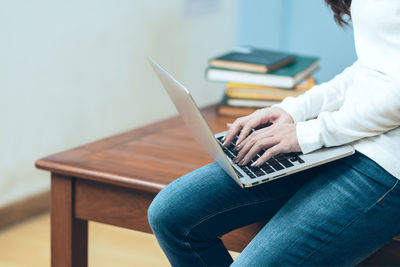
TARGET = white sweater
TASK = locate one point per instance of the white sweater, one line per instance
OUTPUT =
(360, 106)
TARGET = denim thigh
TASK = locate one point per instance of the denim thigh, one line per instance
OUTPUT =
(197, 208)
(338, 218)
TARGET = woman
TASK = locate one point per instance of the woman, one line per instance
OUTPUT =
(334, 214)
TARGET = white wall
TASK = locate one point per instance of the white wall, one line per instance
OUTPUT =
(75, 71)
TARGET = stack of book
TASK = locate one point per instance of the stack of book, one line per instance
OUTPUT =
(258, 78)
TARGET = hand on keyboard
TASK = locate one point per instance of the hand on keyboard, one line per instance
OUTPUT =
(273, 140)
(278, 138)
(258, 119)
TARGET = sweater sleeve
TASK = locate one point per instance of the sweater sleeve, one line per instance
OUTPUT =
(328, 96)
(376, 113)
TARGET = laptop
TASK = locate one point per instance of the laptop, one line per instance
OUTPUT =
(245, 176)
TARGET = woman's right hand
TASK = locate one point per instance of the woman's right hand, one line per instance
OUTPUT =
(258, 118)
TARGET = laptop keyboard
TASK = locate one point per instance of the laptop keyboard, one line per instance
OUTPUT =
(276, 163)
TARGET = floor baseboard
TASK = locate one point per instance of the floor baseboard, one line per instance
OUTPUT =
(24, 209)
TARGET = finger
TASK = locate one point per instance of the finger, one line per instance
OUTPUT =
(266, 144)
(243, 151)
(259, 134)
(229, 126)
(230, 135)
(257, 147)
(272, 151)
(249, 138)
(243, 157)
(246, 129)
(250, 154)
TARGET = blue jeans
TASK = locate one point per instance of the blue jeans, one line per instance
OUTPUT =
(331, 215)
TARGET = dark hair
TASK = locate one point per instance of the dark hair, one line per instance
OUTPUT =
(340, 8)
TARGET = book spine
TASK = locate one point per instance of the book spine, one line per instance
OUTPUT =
(272, 94)
(250, 78)
(238, 66)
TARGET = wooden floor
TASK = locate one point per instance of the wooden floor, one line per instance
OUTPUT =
(28, 244)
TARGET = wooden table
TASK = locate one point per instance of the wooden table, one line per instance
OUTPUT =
(114, 180)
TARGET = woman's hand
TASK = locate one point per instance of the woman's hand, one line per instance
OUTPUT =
(261, 117)
(277, 138)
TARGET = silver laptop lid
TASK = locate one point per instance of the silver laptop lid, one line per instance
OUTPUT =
(193, 118)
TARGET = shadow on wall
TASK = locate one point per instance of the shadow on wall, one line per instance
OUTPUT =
(299, 27)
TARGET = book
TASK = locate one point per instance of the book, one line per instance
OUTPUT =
(252, 59)
(223, 108)
(285, 77)
(252, 103)
(249, 91)
(235, 111)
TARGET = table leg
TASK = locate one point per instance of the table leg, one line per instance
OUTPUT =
(69, 236)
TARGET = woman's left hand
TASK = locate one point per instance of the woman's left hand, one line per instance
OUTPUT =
(277, 138)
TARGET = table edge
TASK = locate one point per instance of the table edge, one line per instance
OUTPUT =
(47, 164)
(98, 176)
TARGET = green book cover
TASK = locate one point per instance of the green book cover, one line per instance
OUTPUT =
(248, 55)
(300, 64)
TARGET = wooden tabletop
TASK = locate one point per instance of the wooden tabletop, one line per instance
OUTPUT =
(147, 158)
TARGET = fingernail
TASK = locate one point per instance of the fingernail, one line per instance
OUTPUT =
(224, 143)
(254, 163)
(223, 139)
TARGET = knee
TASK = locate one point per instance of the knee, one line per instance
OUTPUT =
(157, 213)
(173, 209)
(160, 213)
